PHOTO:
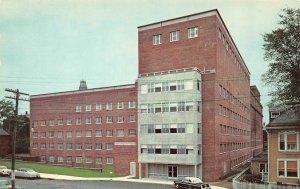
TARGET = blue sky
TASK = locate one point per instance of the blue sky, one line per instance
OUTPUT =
(50, 45)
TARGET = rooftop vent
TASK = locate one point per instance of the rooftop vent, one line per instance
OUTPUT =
(82, 85)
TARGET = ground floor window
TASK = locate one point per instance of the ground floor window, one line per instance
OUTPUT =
(288, 168)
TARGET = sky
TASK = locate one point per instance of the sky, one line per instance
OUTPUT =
(48, 46)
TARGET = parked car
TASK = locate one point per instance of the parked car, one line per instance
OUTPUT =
(5, 184)
(191, 183)
(4, 171)
(26, 173)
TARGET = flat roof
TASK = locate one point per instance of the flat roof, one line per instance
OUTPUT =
(83, 91)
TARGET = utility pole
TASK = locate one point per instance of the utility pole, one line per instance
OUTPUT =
(17, 98)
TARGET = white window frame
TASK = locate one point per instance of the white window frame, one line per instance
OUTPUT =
(78, 121)
(88, 120)
(88, 108)
(120, 105)
(69, 121)
(78, 108)
(98, 120)
(88, 133)
(51, 122)
(109, 106)
(98, 133)
(98, 107)
(120, 119)
(157, 39)
(174, 36)
(109, 160)
(98, 146)
(109, 119)
(131, 118)
(193, 32)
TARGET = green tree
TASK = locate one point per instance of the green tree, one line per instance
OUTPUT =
(282, 52)
(6, 110)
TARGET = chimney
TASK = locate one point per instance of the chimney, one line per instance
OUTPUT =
(82, 85)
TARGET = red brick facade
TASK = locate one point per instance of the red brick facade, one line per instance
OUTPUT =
(225, 93)
(5, 143)
(49, 109)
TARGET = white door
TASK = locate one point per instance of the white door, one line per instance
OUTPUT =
(133, 169)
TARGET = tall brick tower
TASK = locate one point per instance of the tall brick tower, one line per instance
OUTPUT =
(193, 97)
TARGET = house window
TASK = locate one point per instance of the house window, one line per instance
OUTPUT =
(131, 118)
(51, 159)
(109, 133)
(165, 107)
(120, 105)
(173, 86)
(98, 107)
(78, 133)
(180, 85)
(109, 160)
(51, 146)
(193, 32)
(98, 146)
(131, 132)
(88, 133)
(120, 119)
(165, 86)
(43, 146)
(288, 141)
(88, 108)
(78, 159)
(60, 159)
(60, 122)
(174, 36)
(150, 108)
(157, 39)
(109, 146)
(35, 123)
(131, 104)
(35, 145)
(98, 160)
(43, 123)
(88, 146)
(69, 121)
(109, 106)
(60, 146)
(78, 121)
(109, 119)
(275, 114)
(43, 134)
(59, 134)
(157, 87)
(120, 132)
(173, 106)
(51, 134)
(78, 108)
(287, 168)
(98, 120)
(88, 159)
(291, 141)
(98, 133)
(158, 108)
(69, 146)
(69, 134)
(263, 167)
(78, 146)
(88, 120)
(165, 128)
(69, 159)
(150, 128)
(150, 88)
(144, 108)
(51, 122)
(35, 135)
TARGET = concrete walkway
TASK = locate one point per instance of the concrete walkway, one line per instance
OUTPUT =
(127, 179)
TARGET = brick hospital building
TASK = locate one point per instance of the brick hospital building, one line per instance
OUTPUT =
(190, 113)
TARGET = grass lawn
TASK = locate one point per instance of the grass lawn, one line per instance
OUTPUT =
(61, 170)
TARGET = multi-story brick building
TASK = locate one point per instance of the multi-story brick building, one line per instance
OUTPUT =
(194, 99)
(284, 146)
(89, 126)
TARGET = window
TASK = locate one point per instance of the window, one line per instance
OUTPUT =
(151, 149)
(157, 39)
(78, 121)
(180, 85)
(78, 146)
(43, 158)
(43, 123)
(275, 114)
(43, 134)
(131, 132)
(109, 160)
(60, 159)
(120, 119)
(287, 168)
(78, 159)
(60, 146)
(88, 159)
(120, 105)
(193, 32)
(165, 86)
(98, 160)
(181, 128)
(109, 119)
(78, 108)
(181, 106)
(189, 106)
(98, 146)
(220, 34)
(150, 108)
(35, 134)
(43, 146)
(88, 120)
(35, 145)
(98, 133)
(59, 134)
(120, 132)
(88, 146)
(88, 133)
(51, 134)
(51, 122)
(165, 128)
(109, 106)
(289, 141)
(173, 106)
(78, 133)
(181, 149)
(69, 121)
(88, 108)
(144, 108)
(150, 128)
(69, 146)
(174, 36)
(51, 159)
(157, 87)
(173, 86)
(109, 146)
(51, 146)
(69, 159)
(150, 88)
(165, 107)
(131, 118)
(98, 107)
(35, 123)
(98, 120)
(263, 167)
(69, 134)
(131, 104)
(158, 108)
(109, 133)
(60, 122)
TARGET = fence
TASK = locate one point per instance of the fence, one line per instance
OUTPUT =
(237, 184)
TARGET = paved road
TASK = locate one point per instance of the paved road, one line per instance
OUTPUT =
(65, 184)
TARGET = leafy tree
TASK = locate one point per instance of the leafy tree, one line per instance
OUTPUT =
(282, 51)
(6, 110)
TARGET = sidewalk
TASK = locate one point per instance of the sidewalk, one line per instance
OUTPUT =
(126, 179)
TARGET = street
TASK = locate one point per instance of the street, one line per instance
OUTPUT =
(67, 184)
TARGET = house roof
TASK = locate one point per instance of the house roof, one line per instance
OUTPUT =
(288, 118)
(261, 157)
(3, 133)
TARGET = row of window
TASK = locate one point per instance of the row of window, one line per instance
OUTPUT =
(167, 86)
(289, 141)
(231, 146)
(108, 106)
(240, 160)
(231, 114)
(170, 107)
(88, 120)
(78, 159)
(175, 35)
(288, 168)
(166, 149)
(234, 100)
(69, 146)
(168, 128)
(231, 52)
(88, 133)
(228, 130)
